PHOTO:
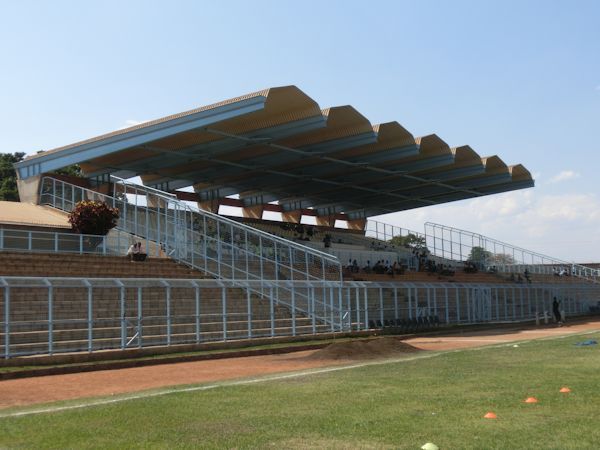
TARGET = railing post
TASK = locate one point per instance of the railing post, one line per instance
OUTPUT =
(140, 316)
(224, 310)
(272, 310)
(381, 312)
(293, 310)
(395, 305)
(81, 244)
(409, 294)
(312, 310)
(90, 316)
(331, 315)
(6, 321)
(249, 311)
(29, 240)
(446, 305)
(168, 305)
(123, 319)
(50, 318)
(197, 301)
(358, 315)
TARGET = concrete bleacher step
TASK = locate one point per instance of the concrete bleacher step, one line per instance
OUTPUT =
(92, 266)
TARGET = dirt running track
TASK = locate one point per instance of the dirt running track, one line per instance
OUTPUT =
(109, 382)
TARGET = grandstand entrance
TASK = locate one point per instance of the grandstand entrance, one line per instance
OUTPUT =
(481, 304)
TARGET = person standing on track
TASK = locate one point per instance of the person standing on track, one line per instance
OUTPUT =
(556, 311)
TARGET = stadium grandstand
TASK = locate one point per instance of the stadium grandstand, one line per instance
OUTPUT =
(325, 266)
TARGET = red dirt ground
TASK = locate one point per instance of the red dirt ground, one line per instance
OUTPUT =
(29, 391)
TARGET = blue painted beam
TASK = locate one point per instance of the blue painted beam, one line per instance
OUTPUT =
(86, 151)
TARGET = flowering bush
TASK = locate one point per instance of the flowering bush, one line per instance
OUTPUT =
(89, 217)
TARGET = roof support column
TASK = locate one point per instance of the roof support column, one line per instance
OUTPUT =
(357, 224)
(326, 221)
(292, 216)
(29, 189)
(210, 206)
(253, 212)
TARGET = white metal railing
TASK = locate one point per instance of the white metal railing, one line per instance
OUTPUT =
(115, 243)
(43, 315)
(461, 245)
(218, 246)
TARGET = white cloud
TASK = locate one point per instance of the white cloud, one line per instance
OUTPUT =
(131, 123)
(564, 176)
(563, 226)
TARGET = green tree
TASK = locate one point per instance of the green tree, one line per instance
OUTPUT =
(8, 176)
(410, 240)
(501, 259)
(73, 170)
(479, 255)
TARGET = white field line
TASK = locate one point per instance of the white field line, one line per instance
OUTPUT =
(465, 339)
(144, 395)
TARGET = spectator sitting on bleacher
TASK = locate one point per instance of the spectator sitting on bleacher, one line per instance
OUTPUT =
(135, 252)
(355, 267)
(379, 268)
(327, 240)
(526, 275)
(447, 271)
(367, 268)
(470, 267)
(133, 249)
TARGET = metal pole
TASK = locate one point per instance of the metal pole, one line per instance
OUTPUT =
(249, 312)
(358, 309)
(446, 304)
(168, 306)
(312, 310)
(224, 311)
(381, 315)
(139, 316)
(272, 310)
(457, 299)
(197, 301)
(50, 319)
(293, 310)
(332, 315)
(90, 318)
(395, 305)
(123, 320)
(6, 321)
(366, 310)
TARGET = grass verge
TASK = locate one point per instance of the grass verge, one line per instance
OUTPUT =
(395, 405)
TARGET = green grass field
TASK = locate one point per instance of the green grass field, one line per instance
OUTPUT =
(405, 404)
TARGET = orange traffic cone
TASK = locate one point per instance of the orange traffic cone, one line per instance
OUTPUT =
(531, 400)
(565, 390)
(490, 415)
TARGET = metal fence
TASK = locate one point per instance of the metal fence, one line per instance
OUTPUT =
(58, 315)
(208, 242)
(115, 243)
(460, 245)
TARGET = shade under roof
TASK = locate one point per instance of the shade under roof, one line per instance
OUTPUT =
(279, 145)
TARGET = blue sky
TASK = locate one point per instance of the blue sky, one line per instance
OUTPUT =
(520, 79)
